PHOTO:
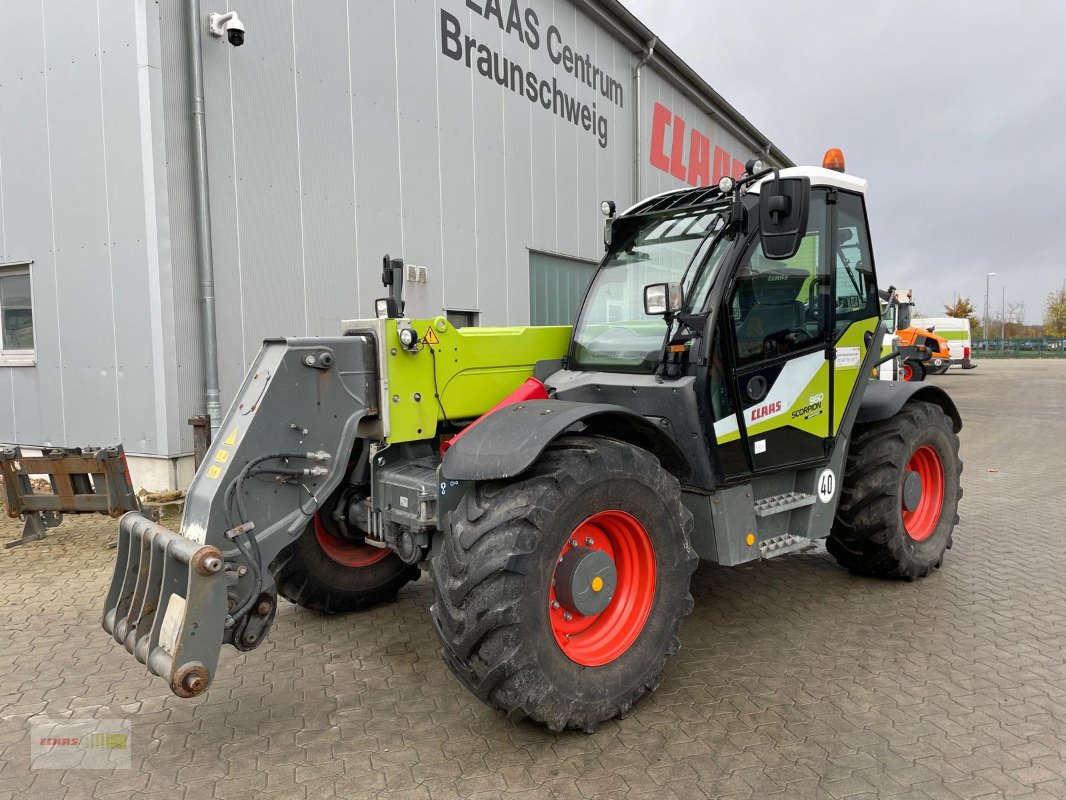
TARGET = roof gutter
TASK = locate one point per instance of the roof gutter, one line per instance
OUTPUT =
(645, 56)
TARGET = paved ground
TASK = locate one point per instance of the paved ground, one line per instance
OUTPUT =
(795, 678)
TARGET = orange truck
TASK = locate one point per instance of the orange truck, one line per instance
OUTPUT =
(919, 347)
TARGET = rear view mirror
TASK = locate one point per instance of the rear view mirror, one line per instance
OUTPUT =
(783, 207)
(662, 299)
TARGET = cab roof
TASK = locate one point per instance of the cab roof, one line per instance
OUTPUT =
(676, 198)
(819, 177)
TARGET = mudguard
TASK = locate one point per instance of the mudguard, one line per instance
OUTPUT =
(883, 399)
(507, 442)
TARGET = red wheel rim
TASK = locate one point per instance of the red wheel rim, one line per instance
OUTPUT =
(345, 552)
(593, 641)
(908, 372)
(921, 522)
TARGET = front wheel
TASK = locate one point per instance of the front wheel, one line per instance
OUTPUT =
(900, 497)
(559, 594)
(913, 371)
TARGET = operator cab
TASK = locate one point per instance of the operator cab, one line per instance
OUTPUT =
(757, 296)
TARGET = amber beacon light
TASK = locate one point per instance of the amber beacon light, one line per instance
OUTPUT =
(833, 159)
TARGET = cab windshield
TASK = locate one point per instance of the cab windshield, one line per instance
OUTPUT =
(612, 332)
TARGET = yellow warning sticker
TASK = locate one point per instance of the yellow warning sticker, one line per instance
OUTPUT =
(232, 438)
(214, 471)
(222, 456)
(431, 337)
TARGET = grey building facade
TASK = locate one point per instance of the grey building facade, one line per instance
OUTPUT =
(474, 138)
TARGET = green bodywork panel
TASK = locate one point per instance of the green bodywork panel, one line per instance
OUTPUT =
(846, 377)
(952, 336)
(818, 388)
(471, 369)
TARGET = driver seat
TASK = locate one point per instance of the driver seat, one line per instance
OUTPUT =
(771, 322)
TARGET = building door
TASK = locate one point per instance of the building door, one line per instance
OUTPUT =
(556, 287)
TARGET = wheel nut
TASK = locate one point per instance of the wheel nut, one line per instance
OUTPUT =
(555, 603)
(573, 542)
(567, 616)
(589, 541)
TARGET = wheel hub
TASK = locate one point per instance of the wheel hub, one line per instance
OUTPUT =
(607, 568)
(921, 512)
(585, 581)
(912, 490)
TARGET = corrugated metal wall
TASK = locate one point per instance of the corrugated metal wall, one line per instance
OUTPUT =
(73, 201)
(340, 131)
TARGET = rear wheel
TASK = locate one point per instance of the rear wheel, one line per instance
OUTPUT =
(559, 594)
(900, 498)
(913, 371)
(324, 571)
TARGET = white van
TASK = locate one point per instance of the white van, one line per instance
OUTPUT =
(957, 332)
(888, 370)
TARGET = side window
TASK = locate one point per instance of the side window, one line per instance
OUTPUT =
(778, 307)
(855, 294)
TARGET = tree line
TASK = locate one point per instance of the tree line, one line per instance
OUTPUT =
(1009, 322)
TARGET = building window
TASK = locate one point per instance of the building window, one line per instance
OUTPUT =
(557, 286)
(462, 318)
(16, 315)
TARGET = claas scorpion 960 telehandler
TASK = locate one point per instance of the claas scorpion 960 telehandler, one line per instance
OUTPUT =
(559, 485)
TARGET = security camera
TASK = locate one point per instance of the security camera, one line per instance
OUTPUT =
(228, 25)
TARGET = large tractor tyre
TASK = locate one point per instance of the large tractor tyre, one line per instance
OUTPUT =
(324, 571)
(900, 495)
(559, 594)
(913, 371)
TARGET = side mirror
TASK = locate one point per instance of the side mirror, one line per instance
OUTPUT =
(784, 204)
(662, 299)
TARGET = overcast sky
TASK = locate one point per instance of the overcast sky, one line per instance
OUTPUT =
(954, 111)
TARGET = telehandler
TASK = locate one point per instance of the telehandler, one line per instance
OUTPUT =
(560, 484)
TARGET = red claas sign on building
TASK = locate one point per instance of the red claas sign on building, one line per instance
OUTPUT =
(696, 167)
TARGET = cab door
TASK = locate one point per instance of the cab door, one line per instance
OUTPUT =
(769, 371)
(856, 308)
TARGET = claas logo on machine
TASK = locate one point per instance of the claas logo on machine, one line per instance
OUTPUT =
(766, 410)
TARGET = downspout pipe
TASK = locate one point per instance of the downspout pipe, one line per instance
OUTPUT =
(205, 258)
(645, 56)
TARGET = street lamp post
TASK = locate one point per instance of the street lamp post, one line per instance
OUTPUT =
(1003, 317)
(988, 278)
